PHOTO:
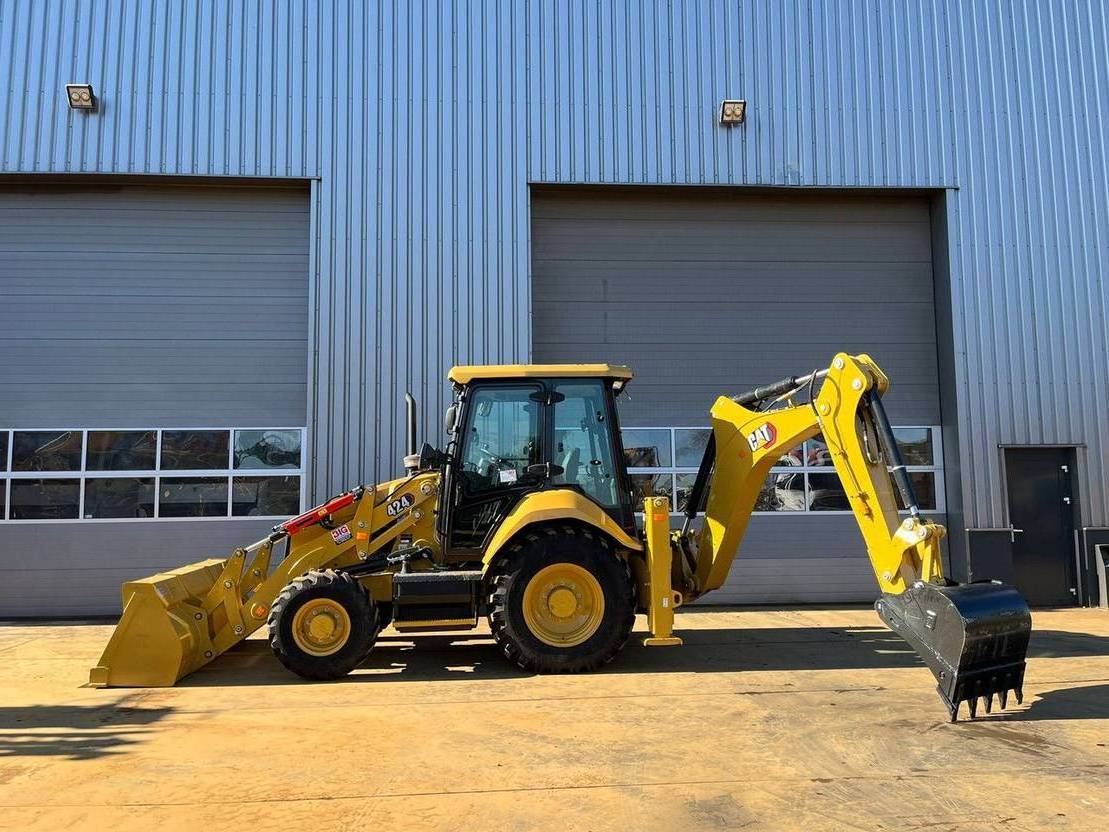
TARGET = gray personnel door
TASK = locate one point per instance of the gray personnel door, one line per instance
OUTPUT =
(708, 291)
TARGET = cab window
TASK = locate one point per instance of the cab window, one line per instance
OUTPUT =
(583, 440)
(502, 437)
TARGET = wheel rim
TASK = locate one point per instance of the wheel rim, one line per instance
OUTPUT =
(563, 605)
(321, 627)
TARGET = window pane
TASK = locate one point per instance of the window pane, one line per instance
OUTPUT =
(646, 448)
(690, 446)
(650, 485)
(121, 450)
(194, 450)
(826, 493)
(583, 442)
(3, 498)
(790, 459)
(193, 497)
(782, 492)
(267, 449)
(119, 497)
(265, 496)
(501, 439)
(924, 487)
(915, 445)
(683, 484)
(817, 453)
(46, 450)
(3, 451)
(45, 499)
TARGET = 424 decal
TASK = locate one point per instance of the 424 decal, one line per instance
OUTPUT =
(400, 505)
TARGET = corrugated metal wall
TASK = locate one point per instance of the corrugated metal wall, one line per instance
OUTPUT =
(424, 122)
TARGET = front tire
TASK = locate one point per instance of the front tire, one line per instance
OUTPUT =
(322, 625)
(562, 601)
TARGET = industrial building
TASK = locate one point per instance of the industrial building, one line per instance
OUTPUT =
(233, 236)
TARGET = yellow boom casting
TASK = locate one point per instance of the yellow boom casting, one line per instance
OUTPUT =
(527, 518)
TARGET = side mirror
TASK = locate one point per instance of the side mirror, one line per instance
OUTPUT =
(450, 418)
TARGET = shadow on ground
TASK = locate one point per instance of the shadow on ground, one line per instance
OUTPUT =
(468, 656)
(76, 732)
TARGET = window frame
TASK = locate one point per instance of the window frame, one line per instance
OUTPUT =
(230, 473)
(936, 469)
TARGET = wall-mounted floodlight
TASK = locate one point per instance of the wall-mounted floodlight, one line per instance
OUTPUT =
(732, 111)
(80, 97)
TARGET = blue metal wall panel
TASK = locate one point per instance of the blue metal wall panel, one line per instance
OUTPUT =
(424, 122)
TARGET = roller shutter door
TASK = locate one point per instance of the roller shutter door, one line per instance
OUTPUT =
(705, 291)
(136, 308)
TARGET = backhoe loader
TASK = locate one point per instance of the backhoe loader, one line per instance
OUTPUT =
(527, 518)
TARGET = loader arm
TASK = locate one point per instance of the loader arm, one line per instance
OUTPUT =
(973, 637)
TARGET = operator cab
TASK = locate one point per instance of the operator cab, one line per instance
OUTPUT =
(516, 429)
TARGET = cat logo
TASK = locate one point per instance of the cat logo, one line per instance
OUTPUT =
(762, 437)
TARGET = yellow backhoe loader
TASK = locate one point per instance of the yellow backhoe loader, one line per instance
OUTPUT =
(527, 518)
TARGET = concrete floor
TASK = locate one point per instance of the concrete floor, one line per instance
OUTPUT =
(815, 719)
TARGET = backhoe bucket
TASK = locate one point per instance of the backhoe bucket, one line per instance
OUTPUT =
(173, 623)
(973, 637)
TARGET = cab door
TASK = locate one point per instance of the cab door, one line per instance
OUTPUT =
(500, 439)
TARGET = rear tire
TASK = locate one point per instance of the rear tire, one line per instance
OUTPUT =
(561, 601)
(322, 625)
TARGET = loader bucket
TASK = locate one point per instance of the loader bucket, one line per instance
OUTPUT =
(166, 630)
(973, 637)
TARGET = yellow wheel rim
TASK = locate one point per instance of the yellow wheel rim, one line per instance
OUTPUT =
(563, 605)
(321, 627)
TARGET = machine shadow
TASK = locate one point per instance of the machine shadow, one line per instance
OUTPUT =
(75, 732)
(474, 656)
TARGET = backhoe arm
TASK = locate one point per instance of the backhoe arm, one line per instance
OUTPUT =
(747, 444)
(973, 637)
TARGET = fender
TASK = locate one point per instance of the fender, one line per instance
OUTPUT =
(556, 504)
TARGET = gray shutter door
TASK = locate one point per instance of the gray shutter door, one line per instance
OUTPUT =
(706, 292)
(143, 306)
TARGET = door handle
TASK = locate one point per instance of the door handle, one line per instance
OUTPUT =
(1013, 534)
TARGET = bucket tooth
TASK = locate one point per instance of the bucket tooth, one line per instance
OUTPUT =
(973, 637)
(1003, 697)
(1020, 695)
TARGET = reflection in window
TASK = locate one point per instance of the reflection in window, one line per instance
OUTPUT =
(265, 496)
(119, 497)
(689, 446)
(46, 450)
(3, 499)
(122, 450)
(817, 453)
(194, 450)
(924, 487)
(3, 453)
(650, 485)
(915, 445)
(683, 484)
(826, 493)
(782, 492)
(646, 448)
(267, 449)
(193, 497)
(45, 499)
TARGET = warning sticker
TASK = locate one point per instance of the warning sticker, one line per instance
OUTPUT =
(508, 475)
(341, 534)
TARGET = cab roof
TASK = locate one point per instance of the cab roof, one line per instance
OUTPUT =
(472, 372)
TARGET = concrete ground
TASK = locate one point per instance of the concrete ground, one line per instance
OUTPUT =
(784, 719)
